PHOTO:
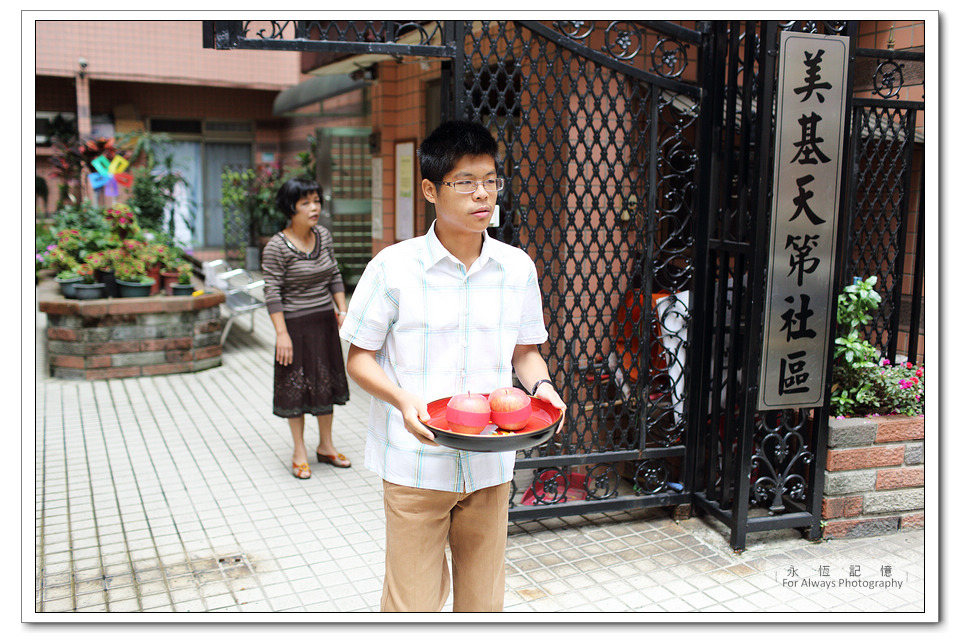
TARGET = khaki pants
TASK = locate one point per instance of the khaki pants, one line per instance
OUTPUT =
(419, 523)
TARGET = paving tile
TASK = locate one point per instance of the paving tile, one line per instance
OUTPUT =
(155, 601)
(129, 605)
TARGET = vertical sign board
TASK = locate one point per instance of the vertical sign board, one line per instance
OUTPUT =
(803, 235)
(404, 194)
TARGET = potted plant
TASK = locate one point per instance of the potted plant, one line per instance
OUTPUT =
(88, 287)
(132, 278)
(102, 264)
(169, 268)
(184, 285)
(864, 383)
(149, 254)
(122, 221)
(249, 201)
(67, 279)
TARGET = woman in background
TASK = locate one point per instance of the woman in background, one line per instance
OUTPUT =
(306, 302)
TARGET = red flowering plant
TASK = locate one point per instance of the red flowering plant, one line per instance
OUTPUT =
(70, 240)
(100, 260)
(863, 383)
(184, 273)
(87, 272)
(61, 261)
(64, 255)
(169, 257)
(122, 221)
(67, 162)
(133, 247)
(132, 270)
(150, 253)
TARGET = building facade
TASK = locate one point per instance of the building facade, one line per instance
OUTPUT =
(354, 111)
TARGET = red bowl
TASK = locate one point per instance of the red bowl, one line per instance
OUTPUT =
(542, 425)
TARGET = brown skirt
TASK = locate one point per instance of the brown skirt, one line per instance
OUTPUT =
(316, 378)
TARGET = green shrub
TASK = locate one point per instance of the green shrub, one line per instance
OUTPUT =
(863, 383)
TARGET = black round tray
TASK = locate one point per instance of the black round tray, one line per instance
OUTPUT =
(543, 424)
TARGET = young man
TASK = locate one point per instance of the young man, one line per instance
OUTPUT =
(446, 313)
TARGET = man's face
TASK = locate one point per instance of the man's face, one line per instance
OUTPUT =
(464, 213)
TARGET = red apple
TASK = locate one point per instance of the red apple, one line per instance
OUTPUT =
(510, 408)
(468, 413)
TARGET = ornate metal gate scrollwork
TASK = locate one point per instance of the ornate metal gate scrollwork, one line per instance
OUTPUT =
(599, 125)
(780, 461)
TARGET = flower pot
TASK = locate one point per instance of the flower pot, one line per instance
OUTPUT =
(154, 273)
(66, 286)
(167, 280)
(107, 278)
(179, 290)
(134, 288)
(90, 291)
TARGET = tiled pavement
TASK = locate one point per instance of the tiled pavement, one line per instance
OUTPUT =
(173, 494)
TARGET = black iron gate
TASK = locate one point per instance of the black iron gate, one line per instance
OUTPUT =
(599, 125)
(885, 218)
(638, 158)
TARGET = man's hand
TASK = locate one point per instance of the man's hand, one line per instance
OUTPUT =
(414, 410)
(363, 368)
(547, 393)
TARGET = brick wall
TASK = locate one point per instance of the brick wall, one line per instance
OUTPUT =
(130, 337)
(874, 476)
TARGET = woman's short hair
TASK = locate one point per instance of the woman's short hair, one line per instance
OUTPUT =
(295, 189)
(440, 152)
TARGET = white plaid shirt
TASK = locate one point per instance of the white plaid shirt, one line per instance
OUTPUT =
(439, 330)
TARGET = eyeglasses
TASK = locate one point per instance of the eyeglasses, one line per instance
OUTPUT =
(469, 187)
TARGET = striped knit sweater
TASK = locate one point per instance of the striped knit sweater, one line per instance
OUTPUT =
(299, 283)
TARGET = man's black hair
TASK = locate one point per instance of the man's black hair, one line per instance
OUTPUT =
(294, 190)
(450, 142)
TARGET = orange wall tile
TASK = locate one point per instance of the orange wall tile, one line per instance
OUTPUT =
(166, 51)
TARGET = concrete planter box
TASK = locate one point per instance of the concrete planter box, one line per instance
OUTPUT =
(874, 479)
(130, 337)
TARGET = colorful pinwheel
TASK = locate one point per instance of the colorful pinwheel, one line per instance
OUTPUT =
(109, 174)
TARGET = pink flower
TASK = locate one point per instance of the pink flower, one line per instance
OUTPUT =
(884, 362)
(905, 384)
(908, 365)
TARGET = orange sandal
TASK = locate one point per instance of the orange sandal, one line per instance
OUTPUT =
(340, 461)
(300, 469)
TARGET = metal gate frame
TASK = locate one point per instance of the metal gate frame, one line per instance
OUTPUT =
(533, 84)
(882, 160)
(752, 471)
